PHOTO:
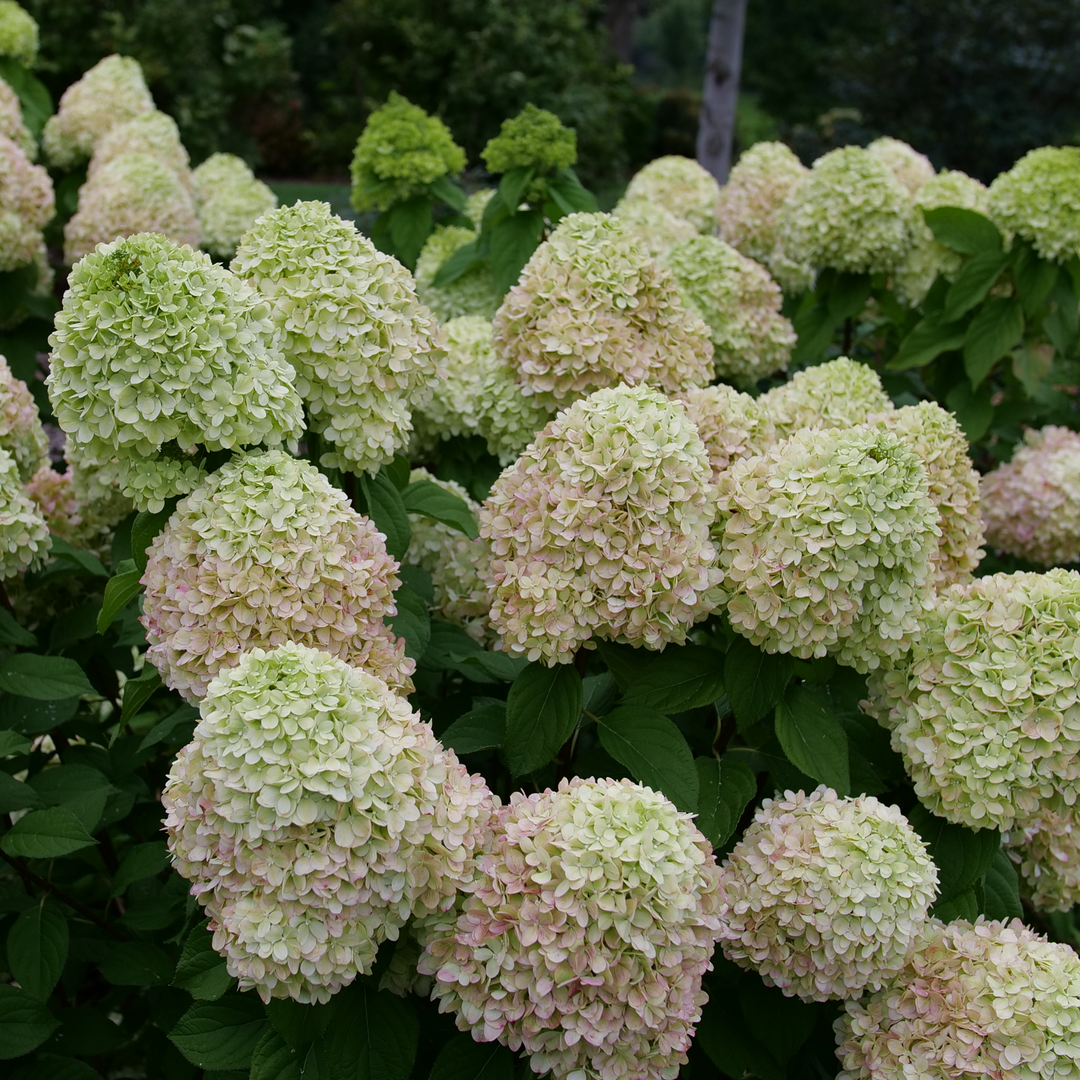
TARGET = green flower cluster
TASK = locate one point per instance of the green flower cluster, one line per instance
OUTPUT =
(534, 139)
(910, 167)
(18, 33)
(228, 201)
(473, 293)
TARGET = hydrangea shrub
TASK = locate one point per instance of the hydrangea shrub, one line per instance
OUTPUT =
(679, 185)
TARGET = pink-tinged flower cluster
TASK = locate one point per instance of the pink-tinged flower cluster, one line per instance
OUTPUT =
(585, 935)
(989, 999)
(601, 529)
(263, 552)
(153, 133)
(823, 896)
(592, 309)
(1031, 504)
(11, 121)
(365, 350)
(21, 433)
(941, 445)
(314, 814)
(985, 709)
(825, 544)
(911, 168)
(681, 186)
(24, 535)
(740, 304)
(26, 205)
(1046, 850)
(732, 425)
(653, 226)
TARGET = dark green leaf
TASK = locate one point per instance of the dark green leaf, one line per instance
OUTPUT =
(374, 1036)
(419, 581)
(137, 692)
(571, 197)
(185, 714)
(79, 788)
(11, 633)
(274, 1059)
(56, 1067)
(412, 621)
(654, 750)
(44, 678)
(542, 709)
(449, 644)
(600, 693)
(445, 190)
(85, 561)
(386, 509)
(680, 678)
(1034, 278)
(200, 970)
(812, 736)
(964, 906)
(145, 528)
(624, 661)
(730, 1046)
(25, 1023)
(119, 592)
(1032, 364)
(781, 1023)
(961, 855)
(725, 789)
(11, 742)
(512, 243)
(222, 1034)
(992, 333)
(754, 680)
(972, 284)
(298, 1024)
(137, 963)
(37, 946)
(513, 184)
(1061, 325)
(140, 862)
(965, 231)
(15, 795)
(814, 328)
(1001, 889)
(46, 834)
(927, 341)
(974, 408)
(398, 471)
(464, 1059)
(461, 262)
(847, 296)
(428, 499)
(484, 666)
(482, 728)
(410, 226)
(30, 716)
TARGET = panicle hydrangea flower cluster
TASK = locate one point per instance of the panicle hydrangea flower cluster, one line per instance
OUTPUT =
(263, 552)
(364, 349)
(228, 201)
(740, 304)
(585, 934)
(681, 185)
(219, 171)
(850, 214)
(592, 309)
(910, 167)
(1038, 199)
(476, 204)
(989, 999)
(24, 535)
(315, 813)
(748, 208)
(823, 896)
(18, 34)
(732, 425)
(26, 205)
(535, 139)
(153, 133)
(478, 395)
(935, 435)
(1046, 850)
(158, 352)
(840, 393)
(1031, 504)
(655, 228)
(457, 565)
(400, 151)
(53, 493)
(825, 546)
(985, 710)
(927, 258)
(473, 293)
(110, 93)
(11, 121)
(133, 193)
(601, 529)
(21, 433)
(97, 490)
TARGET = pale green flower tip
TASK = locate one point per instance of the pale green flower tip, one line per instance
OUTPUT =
(18, 34)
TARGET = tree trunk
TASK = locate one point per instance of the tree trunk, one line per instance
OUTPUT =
(619, 18)
(723, 62)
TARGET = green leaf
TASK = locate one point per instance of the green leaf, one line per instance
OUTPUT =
(11, 633)
(964, 906)
(512, 243)
(961, 855)
(755, 680)
(513, 184)
(185, 714)
(730, 1046)
(11, 742)
(461, 262)
(30, 716)
(25, 1023)
(374, 1036)
(781, 1023)
(680, 678)
(1063, 323)
(46, 834)
(137, 963)
(137, 692)
(812, 737)
(141, 862)
(848, 294)
(44, 678)
(410, 226)
(119, 592)
(974, 408)
(398, 471)
(274, 1059)
(1001, 889)
(600, 693)
(992, 333)
(145, 528)
(1032, 364)
(484, 666)
(725, 789)
(542, 709)
(15, 795)
(965, 231)
(928, 340)
(430, 500)
(79, 788)
(1034, 278)
(654, 750)
(464, 1059)
(624, 661)
(56, 1067)
(222, 1034)
(201, 971)
(972, 284)
(86, 562)
(387, 510)
(412, 621)
(37, 946)
(482, 728)
(570, 196)
(814, 328)
(445, 190)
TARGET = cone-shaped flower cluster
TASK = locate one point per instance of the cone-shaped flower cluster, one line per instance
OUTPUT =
(265, 552)
(911, 168)
(228, 201)
(1031, 505)
(680, 185)
(732, 425)
(740, 304)
(601, 529)
(824, 896)
(826, 546)
(473, 293)
(18, 33)
(21, 433)
(26, 205)
(1046, 850)
(24, 535)
(11, 121)
(985, 710)
(591, 309)
(364, 349)
(586, 933)
(991, 999)
(655, 228)
(534, 139)
(314, 814)
(153, 133)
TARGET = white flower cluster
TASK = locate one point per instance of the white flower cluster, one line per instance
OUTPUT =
(654, 227)
(911, 168)
(11, 121)
(679, 185)
(732, 425)
(154, 134)
(228, 201)
(26, 205)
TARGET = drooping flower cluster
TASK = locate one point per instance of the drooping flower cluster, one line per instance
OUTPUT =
(110, 93)
(24, 535)
(18, 34)
(732, 425)
(680, 185)
(1046, 850)
(1039, 200)
(478, 395)
(263, 552)
(823, 896)
(228, 201)
(591, 309)
(26, 205)
(473, 293)
(601, 529)
(599, 902)
(158, 352)
(935, 435)
(534, 139)
(153, 133)
(21, 433)
(1031, 504)
(457, 565)
(655, 228)
(826, 546)
(133, 193)
(850, 213)
(910, 167)
(401, 150)
(11, 121)
(840, 393)
(364, 349)
(315, 813)
(985, 710)
(740, 304)
(991, 999)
